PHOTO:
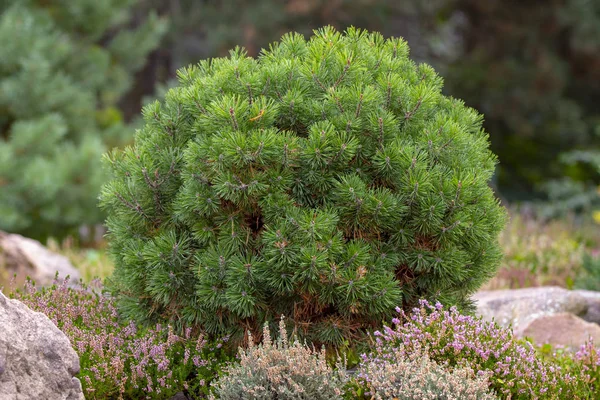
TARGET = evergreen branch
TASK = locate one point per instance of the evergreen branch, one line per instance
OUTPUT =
(378, 209)
(381, 137)
(378, 63)
(351, 260)
(250, 99)
(267, 84)
(344, 72)
(157, 182)
(259, 150)
(137, 208)
(414, 193)
(388, 95)
(316, 79)
(285, 154)
(458, 190)
(358, 107)
(447, 143)
(200, 107)
(343, 148)
(154, 189)
(233, 119)
(339, 105)
(409, 114)
(349, 126)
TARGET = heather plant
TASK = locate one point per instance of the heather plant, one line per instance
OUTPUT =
(459, 341)
(280, 370)
(588, 358)
(583, 364)
(119, 359)
(329, 180)
(403, 375)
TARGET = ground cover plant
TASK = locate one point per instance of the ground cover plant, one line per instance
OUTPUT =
(413, 376)
(280, 369)
(515, 368)
(329, 180)
(430, 351)
(119, 359)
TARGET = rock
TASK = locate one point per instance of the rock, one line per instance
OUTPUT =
(27, 257)
(36, 358)
(593, 305)
(519, 307)
(562, 329)
(180, 396)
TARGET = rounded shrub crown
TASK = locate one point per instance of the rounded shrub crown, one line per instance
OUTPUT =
(329, 180)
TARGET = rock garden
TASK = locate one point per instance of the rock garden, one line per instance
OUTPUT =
(315, 222)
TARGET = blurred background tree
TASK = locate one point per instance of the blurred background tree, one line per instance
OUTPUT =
(63, 66)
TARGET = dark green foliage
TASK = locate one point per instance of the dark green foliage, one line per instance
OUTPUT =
(58, 91)
(532, 69)
(327, 180)
(577, 193)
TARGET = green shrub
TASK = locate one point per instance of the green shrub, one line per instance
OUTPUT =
(328, 180)
(280, 370)
(58, 92)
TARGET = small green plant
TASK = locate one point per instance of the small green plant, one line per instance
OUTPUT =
(329, 180)
(280, 370)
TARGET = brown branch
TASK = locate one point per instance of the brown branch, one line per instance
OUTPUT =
(343, 75)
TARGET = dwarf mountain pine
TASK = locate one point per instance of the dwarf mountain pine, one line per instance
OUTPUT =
(328, 180)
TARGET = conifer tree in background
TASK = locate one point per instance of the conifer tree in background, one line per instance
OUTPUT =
(328, 180)
(63, 67)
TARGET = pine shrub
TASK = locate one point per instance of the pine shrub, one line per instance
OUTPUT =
(329, 180)
(63, 67)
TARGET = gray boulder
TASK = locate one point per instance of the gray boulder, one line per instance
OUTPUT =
(519, 307)
(27, 257)
(592, 299)
(36, 358)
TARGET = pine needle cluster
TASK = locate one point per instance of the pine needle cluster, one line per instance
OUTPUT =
(328, 180)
